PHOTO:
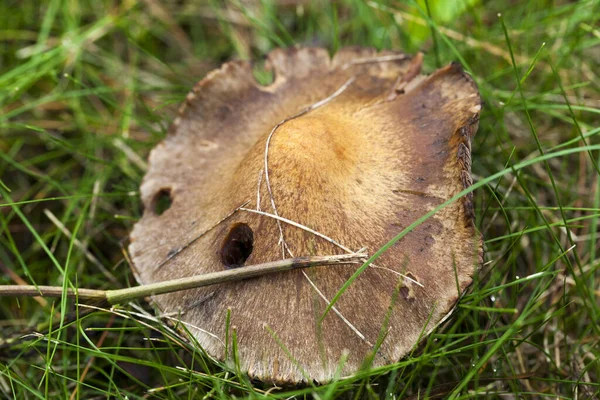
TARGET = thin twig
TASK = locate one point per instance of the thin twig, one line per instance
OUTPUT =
(297, 225)
(142, 318)
(130, 154)
(327, 238)
(80, 246)
(52, 291)
(376, 59)
(213, 278)
(260, 175)
(299, 114)
(190, 325)
(336, 311)
(21, 282)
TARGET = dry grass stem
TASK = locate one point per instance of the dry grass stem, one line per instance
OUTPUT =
(260, 177)
(80, 246)
(266, 158)
(125, 295)
(179, 321)
(379, 59)
(336, 311)
(324, 237)
(130, 154)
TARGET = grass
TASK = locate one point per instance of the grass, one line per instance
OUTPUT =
(88, 88)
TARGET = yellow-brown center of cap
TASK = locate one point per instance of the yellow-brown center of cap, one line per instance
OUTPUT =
(324, 148)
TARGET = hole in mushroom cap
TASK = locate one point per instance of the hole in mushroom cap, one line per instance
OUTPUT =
(264, 76)
(237, 246)
(162, 201)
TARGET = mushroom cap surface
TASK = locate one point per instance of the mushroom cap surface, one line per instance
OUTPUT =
(390, 147)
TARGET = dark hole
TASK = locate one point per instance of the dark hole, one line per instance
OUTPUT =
(237, 246)
(162, 201)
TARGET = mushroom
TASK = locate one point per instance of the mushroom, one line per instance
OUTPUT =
(351, 149)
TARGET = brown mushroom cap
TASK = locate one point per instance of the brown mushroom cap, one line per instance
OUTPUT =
(388, 149)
